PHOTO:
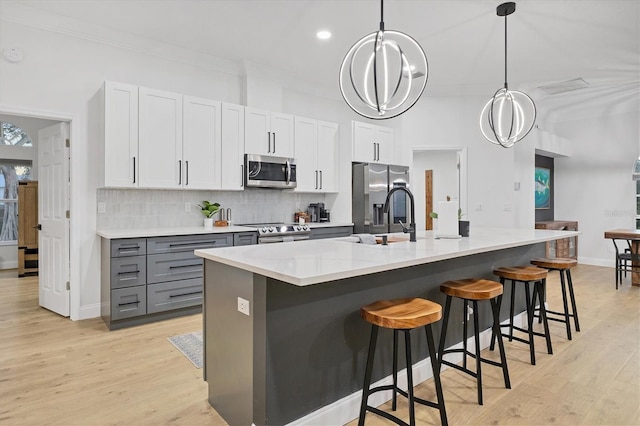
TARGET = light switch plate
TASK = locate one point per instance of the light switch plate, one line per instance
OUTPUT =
(102, 207)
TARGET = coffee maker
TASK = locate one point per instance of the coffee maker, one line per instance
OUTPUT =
(318, 213)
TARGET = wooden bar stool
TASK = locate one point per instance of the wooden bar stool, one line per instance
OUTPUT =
(473, 290)
(526, 275)
(401, 315)
(563, 266)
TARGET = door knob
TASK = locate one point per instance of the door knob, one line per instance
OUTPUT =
(38, 227)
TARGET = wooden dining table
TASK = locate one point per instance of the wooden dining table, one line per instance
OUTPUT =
(632, 235)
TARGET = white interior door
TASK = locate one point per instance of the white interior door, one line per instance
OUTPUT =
(53, 204)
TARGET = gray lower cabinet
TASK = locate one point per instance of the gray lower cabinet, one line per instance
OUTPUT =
(128, 302)
(150, 279)
(330, 232)
(174, 295)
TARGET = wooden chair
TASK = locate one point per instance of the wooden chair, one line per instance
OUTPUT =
(563, 266)
(401, 315)
(474, 290)
(526, 275)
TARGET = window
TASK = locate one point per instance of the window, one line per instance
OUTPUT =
(638, 204)
(11, 172)
(11, 134)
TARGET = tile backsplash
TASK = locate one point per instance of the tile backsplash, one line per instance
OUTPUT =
(139, 208)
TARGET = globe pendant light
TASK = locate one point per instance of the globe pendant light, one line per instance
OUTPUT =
(383, 74)
(509, 116)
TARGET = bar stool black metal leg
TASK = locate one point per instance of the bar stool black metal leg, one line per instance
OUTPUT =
(367, 374)
(530, 313)
(540, 285)
(395, 371)
(573, 300)
(495, 308)
(435, 367)
(565, 304)
(464, 332)
(443, 332)
(513, 298)
(407, 348)
(543, 298)
(476, 332)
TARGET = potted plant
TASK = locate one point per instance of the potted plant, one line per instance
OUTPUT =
(209, 210)
(463, 225)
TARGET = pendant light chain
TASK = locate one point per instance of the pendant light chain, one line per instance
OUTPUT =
(509, 115)
(506, 85)
(381, 15)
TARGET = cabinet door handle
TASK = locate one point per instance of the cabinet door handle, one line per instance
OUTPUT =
(274, 142)
(130, 303)
(179, 172)
(378, 155)
(374, 151)
(186, 163)
(198, 265)
(316, 179)
(134, 169)
(184, 294)
(130, 272)
(268, 141)
(320, 179)
(241, 175)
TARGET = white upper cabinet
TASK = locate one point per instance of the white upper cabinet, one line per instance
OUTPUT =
(328, 156)
(201, 147)
(306, 141)
(268, 133)
(316, 147)
(160, 139)
(372, 144)
(120, 133)
(232, 160)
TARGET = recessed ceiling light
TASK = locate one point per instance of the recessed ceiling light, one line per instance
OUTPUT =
(323, 34)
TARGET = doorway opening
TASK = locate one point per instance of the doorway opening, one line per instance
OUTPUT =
(438, 173)
(49, 157)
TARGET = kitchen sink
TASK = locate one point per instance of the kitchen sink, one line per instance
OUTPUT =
(378, 238)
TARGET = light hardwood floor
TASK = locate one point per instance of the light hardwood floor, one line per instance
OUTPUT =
(54, 371)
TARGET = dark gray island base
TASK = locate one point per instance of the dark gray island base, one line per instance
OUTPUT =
(305, 347)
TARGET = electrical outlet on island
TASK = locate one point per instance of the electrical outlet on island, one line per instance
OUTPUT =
(243, 306)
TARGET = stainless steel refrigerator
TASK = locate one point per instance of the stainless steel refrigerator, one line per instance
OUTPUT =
(370, 185)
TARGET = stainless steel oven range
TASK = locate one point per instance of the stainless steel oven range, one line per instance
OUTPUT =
(280, 232)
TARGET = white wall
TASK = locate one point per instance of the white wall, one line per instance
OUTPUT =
(594, 185)
(453, 122)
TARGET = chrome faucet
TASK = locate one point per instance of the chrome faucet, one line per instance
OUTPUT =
(411, 230)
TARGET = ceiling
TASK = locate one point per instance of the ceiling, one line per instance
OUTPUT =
(549, 40)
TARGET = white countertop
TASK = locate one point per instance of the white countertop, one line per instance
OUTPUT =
(113, 234)
(309, 262)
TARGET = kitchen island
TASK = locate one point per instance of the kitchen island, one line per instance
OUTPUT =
(300, 354)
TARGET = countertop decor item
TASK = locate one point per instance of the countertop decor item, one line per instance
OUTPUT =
(509, 115)
(209, 210)
(384, 73)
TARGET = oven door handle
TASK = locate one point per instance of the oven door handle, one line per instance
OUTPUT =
(288, 172)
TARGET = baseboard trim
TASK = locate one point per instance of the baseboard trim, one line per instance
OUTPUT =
(9, 264)
(347, 409)
(89, 311)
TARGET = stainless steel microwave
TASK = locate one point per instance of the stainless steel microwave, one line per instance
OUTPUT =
(264, 171)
